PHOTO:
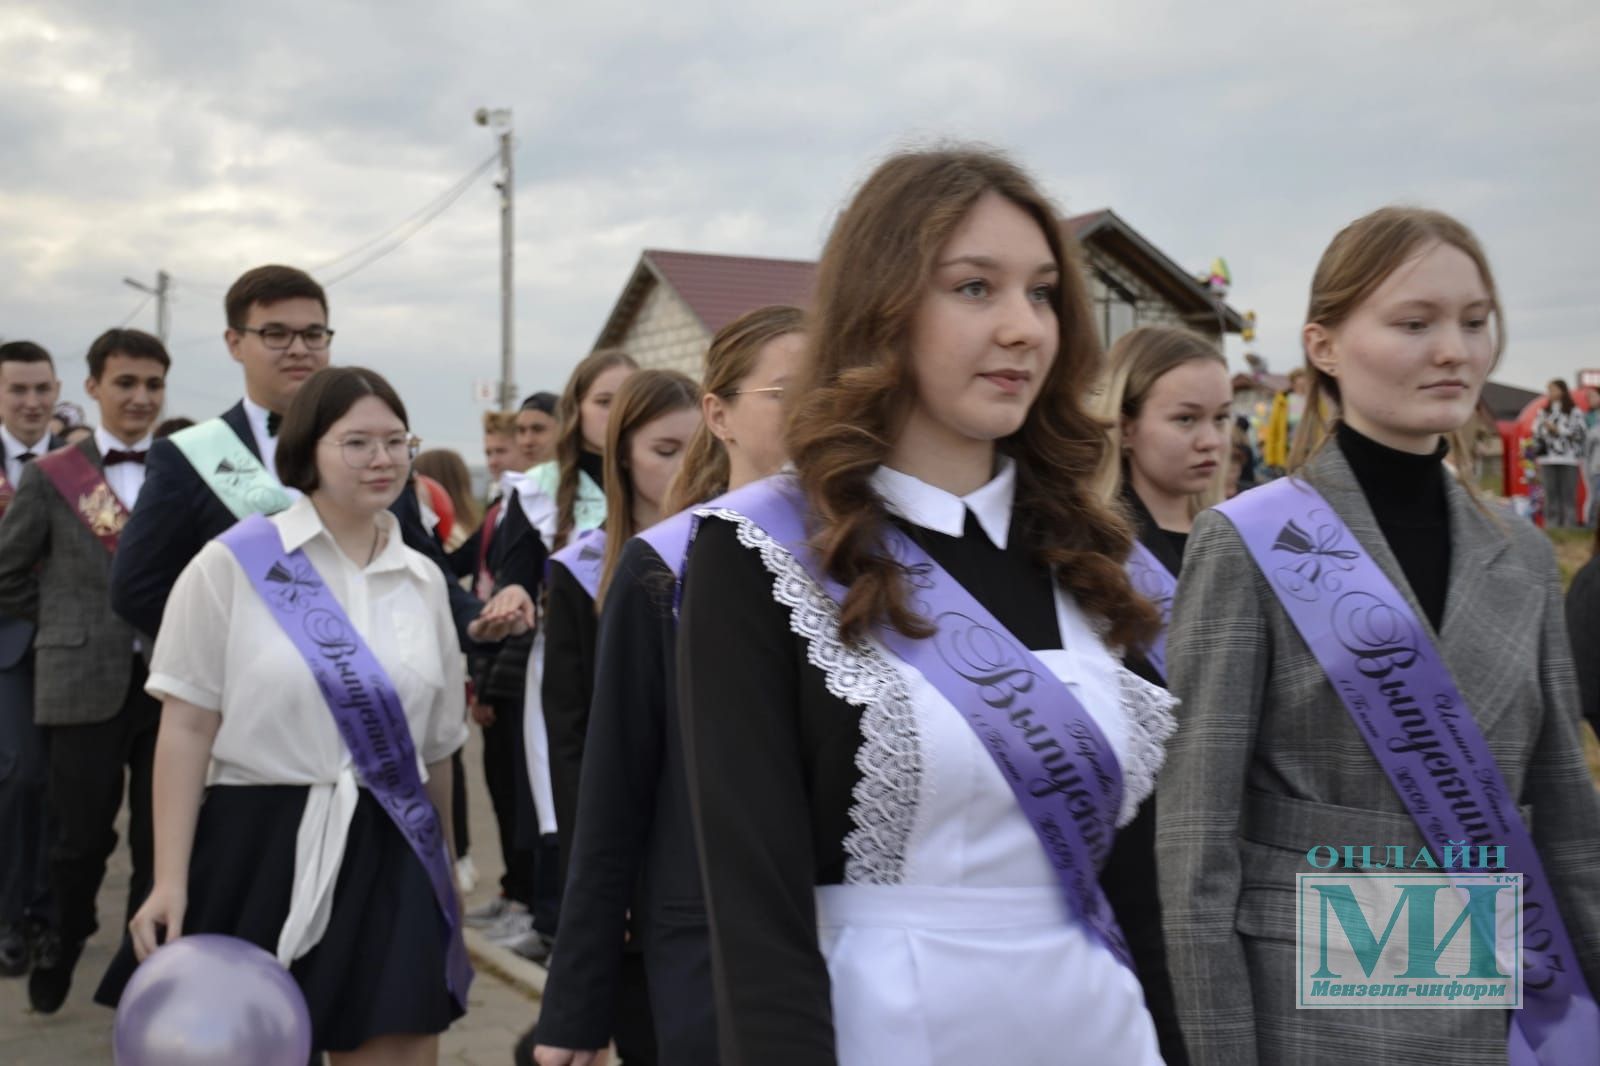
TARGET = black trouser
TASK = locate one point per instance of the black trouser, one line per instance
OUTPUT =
(24, 812)
(502, 753)
(458, 804)
(87, 764)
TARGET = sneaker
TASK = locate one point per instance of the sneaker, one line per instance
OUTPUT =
(466, 875)
(532, 945)
(487, 914)
(16, 952)
(51, 979)
(512, 927)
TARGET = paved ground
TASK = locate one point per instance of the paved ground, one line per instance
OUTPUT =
(503, 1000)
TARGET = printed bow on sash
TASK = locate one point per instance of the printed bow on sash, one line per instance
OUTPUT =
(1047, 746)
(1406, 706)
(83, 486)
(365, 707)
(230, 470)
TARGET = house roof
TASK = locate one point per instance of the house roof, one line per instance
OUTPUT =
(1506, 401)
(720, 288)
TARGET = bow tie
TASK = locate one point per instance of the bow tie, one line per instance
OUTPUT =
(113, 457)
(26, 457)
(274, 420)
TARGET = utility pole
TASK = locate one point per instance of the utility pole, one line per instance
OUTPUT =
(499, 120)
(162, 290)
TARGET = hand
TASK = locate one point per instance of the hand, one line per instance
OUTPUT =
(482, 713)
(163, 907)
(509, 614)
(545, 1055)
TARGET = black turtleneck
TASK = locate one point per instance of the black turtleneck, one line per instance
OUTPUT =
(593, 464)
(1407, 494)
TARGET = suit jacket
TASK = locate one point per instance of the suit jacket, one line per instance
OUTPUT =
(53, 571)
(177, 514)
(1268, 763)
(16, 634)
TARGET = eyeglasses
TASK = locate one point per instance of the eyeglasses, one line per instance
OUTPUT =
(775, 390)
(279, 338)
(359, 452)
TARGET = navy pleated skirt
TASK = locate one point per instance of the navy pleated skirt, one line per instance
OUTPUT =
(380, 967)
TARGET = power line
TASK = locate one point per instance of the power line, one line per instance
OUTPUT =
(135, 312)
(406, 228)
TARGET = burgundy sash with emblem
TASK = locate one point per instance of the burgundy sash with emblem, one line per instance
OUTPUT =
(83, 485)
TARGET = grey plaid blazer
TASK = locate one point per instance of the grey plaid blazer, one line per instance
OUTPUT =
(56, 572)
(1268, 763)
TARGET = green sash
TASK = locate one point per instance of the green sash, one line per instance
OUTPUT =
(588, 509)
(230, 469)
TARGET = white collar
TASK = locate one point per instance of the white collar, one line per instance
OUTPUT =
(15, 447)
(299, 524)
(258, 419)
(944, 512)
(107, 443)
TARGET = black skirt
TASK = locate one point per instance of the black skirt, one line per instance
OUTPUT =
(378, 970)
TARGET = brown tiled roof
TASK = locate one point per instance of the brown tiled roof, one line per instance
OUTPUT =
(720, 288)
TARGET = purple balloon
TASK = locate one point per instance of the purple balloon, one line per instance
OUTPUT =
(208, 999)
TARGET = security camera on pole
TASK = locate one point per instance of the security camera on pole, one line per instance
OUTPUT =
(499, 119)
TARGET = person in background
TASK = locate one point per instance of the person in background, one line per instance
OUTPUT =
(1558, 447)
(28, 392)
(1583, 625)
(499, 447)
(1591, 456)
(536, 429)
(68, 416)
(56, 546)
(77, 435)
(170, 426)
(450, 471)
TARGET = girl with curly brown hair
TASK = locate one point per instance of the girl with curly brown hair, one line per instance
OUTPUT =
(910, 740)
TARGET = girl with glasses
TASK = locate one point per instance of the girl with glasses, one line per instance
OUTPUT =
(634, 845)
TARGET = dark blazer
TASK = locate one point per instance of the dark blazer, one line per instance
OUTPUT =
(566, 691)
(177, 514)
(1583, 623)
(55, 572)
(634, 847)
(1267, 763)
(16, 634)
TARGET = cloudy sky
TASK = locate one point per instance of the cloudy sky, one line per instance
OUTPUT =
(208, 138)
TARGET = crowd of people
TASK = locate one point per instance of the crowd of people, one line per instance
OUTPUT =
(920, 685)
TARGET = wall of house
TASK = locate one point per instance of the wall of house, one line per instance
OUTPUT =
(1114, 316)
(665, 334)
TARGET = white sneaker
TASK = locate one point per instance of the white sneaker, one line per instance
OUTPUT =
(466, 875)
(512, 925)
(487, 914)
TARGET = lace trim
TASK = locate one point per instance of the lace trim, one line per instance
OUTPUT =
(890, 755)
(1148, 711)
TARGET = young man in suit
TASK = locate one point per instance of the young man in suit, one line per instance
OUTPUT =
(56, 546)
(205, 478)
(28, 392)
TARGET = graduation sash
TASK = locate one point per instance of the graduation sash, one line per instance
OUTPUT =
(1152, 580)
(1046, 745)
(364, 705)
(1395, 684)
(84, 488)
(230, 469)
(584, 558)
(7, 493)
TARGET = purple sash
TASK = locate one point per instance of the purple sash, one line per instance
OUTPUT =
(1047, 746)
(1406, 705)
(584, 559)
(670, 540)
(1155, 583)
(365, 707)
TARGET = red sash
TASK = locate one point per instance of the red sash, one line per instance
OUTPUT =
(83, 485)
(483, 582)
(6, 492)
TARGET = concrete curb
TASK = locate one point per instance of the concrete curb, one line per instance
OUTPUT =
(505, 964)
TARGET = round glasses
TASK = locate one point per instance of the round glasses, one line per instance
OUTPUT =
(359, 452)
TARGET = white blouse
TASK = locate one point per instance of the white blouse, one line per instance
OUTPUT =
(221, 649)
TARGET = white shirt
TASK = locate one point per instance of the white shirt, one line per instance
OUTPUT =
(944, 512)
(221, 649)
(266, 443)
(125, 479)
(15, 448)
